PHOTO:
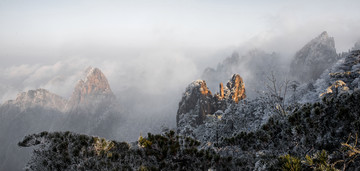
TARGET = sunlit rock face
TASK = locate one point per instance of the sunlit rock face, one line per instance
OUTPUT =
(236, 88)
(38, 98)
(198, 101)
(312, 60)
(91, 90)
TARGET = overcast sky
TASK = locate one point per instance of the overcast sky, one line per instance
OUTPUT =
(39, 29)
(168, 35)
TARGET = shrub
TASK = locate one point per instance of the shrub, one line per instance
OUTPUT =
(290, 163)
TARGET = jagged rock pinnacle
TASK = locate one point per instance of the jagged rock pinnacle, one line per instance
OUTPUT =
(221, 91)
(237, 88)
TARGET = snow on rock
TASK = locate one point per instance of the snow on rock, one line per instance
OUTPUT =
(345, 71)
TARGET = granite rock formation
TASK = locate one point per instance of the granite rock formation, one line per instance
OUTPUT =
(236, 88)
(198, 102)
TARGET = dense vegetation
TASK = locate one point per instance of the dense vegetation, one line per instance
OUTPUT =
(68, 151)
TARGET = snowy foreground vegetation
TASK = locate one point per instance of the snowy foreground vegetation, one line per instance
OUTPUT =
(315, 128)
(319, 135)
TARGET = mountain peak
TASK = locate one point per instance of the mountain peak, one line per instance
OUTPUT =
(93, 86)
(324, 39)
(316, 56)
(324, 34)
(38, 97)
(94, 82)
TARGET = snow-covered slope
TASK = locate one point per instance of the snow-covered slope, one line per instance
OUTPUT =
(346, 70)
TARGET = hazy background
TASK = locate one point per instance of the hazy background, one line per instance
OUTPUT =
(151, 50)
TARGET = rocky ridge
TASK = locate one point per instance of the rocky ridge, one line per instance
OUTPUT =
(38, 98)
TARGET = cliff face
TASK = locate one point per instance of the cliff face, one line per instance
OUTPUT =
(198, 101)
(316, 56)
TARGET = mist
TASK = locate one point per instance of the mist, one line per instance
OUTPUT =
(150, 51)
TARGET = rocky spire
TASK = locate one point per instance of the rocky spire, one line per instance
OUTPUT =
(236, 88)
(221, 91)
(197, 101)
(93, 88)
(316, 56)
